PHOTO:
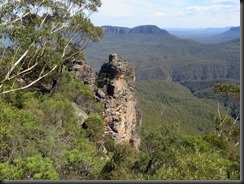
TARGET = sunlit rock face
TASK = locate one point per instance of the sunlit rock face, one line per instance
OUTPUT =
(116, 82)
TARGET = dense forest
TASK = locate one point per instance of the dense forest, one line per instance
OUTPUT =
(52, 124)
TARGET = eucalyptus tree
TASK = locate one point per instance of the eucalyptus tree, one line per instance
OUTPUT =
(44, 34)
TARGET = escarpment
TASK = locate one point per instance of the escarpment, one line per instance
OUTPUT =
(114, 86)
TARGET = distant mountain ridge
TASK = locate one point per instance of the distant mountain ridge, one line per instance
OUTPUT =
(231, 34)
(147, 29)
(156, 54)
(209, 35)
(115, 29)
(235, 29)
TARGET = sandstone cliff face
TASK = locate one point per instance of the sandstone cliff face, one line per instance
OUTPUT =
(114, 87)
(116, 81)
(144, 29)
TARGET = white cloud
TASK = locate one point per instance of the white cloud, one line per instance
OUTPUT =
(179, 13)
(216, 9)
(113, 8)
(203, 9)
(225, 1)
(121, 15)
(160, 14)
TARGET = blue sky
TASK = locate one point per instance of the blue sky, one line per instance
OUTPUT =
(168, 13)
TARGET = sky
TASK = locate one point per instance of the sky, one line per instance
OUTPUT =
(168, 13)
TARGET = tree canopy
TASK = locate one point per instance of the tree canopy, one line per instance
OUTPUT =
(43, 34)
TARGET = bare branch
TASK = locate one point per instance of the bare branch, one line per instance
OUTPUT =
(221, 124)
(72, 55)
(61, 27)
(9, 23)
(24, 71)
(219, 111)
(45, 18)
(30, 84)
(64, 51)
(16, 63)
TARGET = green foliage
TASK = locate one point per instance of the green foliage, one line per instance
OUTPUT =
(225, 148)
(158, 148)
(15, 99)
(42, 132)
(83, 164)
(213, 144)
(35, 167)
(190, 144)
(229, 95)
(165, 102)
(43, 35)
(119, 167)
(156, 98)
(234, 171)
(58, 110)
(5, 132)
(76, 91)
(227, 128)
(72, 87)
(95, 128)
(24, 131)
(197, 166)
(44, 125)
(232, 90)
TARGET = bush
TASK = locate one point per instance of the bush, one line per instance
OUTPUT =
(35, 168)
(75, 91)
(95, 128)
(83, 164)
(197, 166)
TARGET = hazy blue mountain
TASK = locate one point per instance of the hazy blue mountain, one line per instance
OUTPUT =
(231, 34)
(193, 32)
(209, 35)
(146, 29)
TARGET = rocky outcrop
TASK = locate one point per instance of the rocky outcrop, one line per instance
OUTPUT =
(80, 113)
(116, 81)
(114, 86)
(82, 70)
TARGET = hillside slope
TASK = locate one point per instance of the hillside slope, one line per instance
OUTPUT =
(166, 102)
